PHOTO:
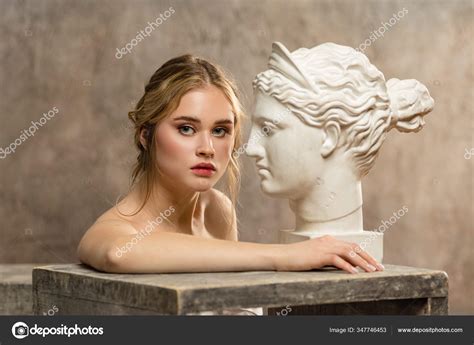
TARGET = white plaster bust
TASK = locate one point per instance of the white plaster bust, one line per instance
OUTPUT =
(321, 116)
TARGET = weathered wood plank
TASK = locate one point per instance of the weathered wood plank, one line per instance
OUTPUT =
(196, 292)
(16, 289)
(438, 306)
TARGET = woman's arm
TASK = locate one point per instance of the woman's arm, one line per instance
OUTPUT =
(108, 247)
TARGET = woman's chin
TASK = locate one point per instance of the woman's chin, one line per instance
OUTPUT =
(202, 184)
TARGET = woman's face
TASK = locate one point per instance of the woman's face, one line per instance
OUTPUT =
(286, 150)
(200, 130)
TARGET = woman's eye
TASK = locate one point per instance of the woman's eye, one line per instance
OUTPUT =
(221, 131)
(186, 130)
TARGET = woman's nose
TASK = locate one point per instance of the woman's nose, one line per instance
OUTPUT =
(206, 147)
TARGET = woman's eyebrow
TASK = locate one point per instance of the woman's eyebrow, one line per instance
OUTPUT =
(197, 120)
(224, 121)
(187, 118)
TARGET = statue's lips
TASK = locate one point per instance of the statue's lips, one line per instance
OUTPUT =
(263, 171)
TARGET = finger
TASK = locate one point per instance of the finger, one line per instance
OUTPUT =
(357, 260)
(339, 262)
(369, 258)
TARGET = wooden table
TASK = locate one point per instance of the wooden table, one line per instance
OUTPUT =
(16, 296)
(76, 289)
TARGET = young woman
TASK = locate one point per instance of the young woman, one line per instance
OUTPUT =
(187, 127)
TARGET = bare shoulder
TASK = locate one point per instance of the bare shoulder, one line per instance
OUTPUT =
(123, 214)
(109, 227)
(221, 215)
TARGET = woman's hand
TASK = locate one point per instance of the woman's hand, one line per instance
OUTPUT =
(326, 251)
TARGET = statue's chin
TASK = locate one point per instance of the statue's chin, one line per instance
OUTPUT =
(273, 191)
(264, 186)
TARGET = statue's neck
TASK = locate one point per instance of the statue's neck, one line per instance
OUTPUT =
(333, 204)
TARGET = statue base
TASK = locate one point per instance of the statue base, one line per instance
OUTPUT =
(370, 241)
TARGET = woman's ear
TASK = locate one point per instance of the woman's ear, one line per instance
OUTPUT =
(331, 133)
(143, 137)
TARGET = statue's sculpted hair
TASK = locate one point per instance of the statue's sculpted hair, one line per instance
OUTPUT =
(334, 83)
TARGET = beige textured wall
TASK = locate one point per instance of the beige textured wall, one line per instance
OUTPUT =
(61, 54)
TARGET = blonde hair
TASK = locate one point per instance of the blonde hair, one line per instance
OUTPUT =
(162, 96)
(334, 83)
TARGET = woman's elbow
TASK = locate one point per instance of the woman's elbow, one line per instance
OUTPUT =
(106, 261)
(112, 262)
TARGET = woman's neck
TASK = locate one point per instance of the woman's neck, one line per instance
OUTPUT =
(186, 203)
(334, 204)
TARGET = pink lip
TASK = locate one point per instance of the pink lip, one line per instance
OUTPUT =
(204, 166)
(203, 172)
(204, 169)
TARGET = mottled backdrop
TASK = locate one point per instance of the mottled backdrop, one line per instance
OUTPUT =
(63, 54)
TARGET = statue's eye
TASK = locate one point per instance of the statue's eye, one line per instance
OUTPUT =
(268, 128)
